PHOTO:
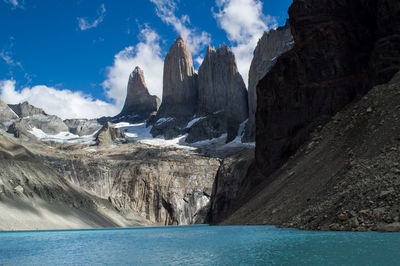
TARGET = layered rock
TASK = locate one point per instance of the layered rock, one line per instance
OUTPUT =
(139, 103)
(221, 90)
(271, 45)
(7, 116)
(179, 82)
(163, 185)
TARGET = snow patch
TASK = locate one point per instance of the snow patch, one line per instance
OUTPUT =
(164, 120)
(62, 137)
(194, 121)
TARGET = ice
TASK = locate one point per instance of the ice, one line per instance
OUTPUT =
(62, 137)
(164, 120)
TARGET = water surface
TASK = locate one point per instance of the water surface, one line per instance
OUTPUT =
(199, 245)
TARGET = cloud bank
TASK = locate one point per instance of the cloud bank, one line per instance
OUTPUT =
(147, 54)
(244, 24)
(63, 103)
(84, 24)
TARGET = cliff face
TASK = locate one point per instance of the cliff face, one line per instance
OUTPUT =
(7, 116)
(165, 186)
(179, 82)
(336, 59)
(138, 101)
(342, 48)
(221, 87)
(222, 98)
(271, 45)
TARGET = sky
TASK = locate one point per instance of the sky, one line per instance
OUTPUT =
(73, 57)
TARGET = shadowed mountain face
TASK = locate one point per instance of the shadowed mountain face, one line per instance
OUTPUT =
(338, 56)
(138, 101)
(271, 45)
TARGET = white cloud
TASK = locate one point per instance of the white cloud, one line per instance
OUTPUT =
(147, 55)
(7, 58)
(244, 24)
(84, 23)
(63, 103)
(14, 3)
(165, 9)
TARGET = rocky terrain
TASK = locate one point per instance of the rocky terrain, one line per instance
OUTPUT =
(344, 177)
(139, 104)
(34, 196)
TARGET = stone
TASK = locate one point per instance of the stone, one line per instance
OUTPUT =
(108, 135)
(139, 103)
(25, 109)
(343, 217)
(179, 83)
(391, 227)
(271, 45)
(19, 190)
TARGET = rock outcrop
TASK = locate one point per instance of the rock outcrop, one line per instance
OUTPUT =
(7, 116)
(271, 45)
(108, 134)
(34, 196)
(164, 185)
(25, 109)
(83, 127)
(221, 90)
(139, 104)
(179, 82)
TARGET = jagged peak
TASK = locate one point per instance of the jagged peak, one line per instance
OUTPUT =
(224, 48)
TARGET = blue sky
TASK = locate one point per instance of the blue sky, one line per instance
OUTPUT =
(73, 57)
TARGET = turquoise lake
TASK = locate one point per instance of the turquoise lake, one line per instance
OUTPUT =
(199, 245)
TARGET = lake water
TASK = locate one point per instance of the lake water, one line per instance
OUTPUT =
(199, 245)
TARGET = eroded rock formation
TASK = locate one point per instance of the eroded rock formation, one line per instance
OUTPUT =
(179, 82)
(271, 45)
(108, 134)
(25, 109)
(221, 91)
(139, 103)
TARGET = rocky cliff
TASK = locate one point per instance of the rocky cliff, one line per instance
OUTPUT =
(345, 177)
(164, 185)
(7, 116)
(342, 48)
(33, 196)
(337, 58)
(271, 45)
(179, 82)
(220, 90)
(139, 103)
(25, 109)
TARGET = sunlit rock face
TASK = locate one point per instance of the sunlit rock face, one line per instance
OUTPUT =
(138, 101)
(179, 82)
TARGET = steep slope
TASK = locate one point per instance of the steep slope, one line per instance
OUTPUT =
(7, 116)
(34, 196)
(345, 177)
(139, 103)
(271, 45)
